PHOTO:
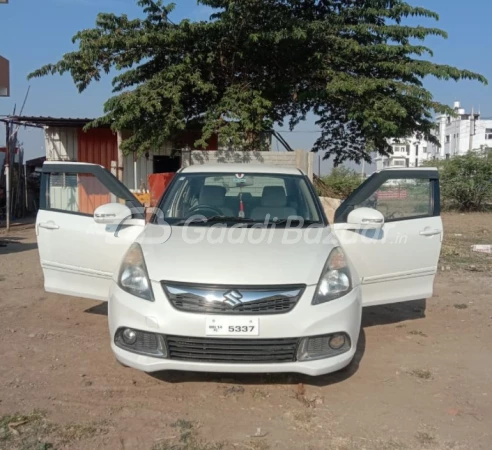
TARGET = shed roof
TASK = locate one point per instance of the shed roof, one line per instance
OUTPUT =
(61, 122)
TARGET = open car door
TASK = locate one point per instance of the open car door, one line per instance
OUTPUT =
(78, 255)
(391, 229)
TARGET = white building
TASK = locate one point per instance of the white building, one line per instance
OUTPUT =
(409, 152)
(461, 133)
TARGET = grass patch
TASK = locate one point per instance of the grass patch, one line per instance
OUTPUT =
(26, 432)
(461, 306)
(80, 432)
(425, 438)
(35, 432)
(258, 394)
(461, 231)
(188, 439)
(422, 374)
(417, 333)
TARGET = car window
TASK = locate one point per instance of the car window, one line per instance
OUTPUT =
(253, 197)
(399, 199)
(78, 193)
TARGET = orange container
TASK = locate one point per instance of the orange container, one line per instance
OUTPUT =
(158, 183)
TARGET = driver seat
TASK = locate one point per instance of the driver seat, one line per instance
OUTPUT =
(214, 196)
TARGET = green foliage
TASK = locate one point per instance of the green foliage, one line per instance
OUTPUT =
(466, 181)
(355, 64)
(342, 181)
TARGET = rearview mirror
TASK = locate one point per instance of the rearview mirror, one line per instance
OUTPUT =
(367, 218)
(112, 213)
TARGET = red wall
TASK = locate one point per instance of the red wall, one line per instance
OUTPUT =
(98, 146)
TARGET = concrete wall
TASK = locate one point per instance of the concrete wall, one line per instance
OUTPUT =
(299, 159)
(330, 205)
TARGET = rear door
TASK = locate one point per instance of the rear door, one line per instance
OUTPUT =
(399, 261)
(79, 256)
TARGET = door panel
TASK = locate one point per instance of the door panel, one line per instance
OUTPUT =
(78, 255)
(399, 261)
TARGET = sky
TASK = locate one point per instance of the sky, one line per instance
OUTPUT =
(36, 32)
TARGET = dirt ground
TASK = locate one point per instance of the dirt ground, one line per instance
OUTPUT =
(422, 377)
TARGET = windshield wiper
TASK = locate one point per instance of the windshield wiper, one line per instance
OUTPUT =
(214, 219)
(229, 219)
(294, 222)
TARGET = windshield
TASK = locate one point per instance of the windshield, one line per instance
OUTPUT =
(206, 198)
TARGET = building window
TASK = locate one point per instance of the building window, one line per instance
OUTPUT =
(407, 162)
(447, 139)
(488, 136)
(424, 149)
(416, 149)
(488, 130)
(416, 162)
(399, 163)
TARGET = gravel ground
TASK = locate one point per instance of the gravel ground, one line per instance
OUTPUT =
(422, 377)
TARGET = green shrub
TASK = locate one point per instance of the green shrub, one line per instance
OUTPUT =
(466, 181)
(342, 181)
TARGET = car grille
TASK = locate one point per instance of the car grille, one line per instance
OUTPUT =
(232, 350)
(227, 300)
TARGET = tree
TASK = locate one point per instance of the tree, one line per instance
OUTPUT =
(342, 181)
(466, 181)
(258, 63)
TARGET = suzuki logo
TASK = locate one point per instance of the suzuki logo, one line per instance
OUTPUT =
(232, 298)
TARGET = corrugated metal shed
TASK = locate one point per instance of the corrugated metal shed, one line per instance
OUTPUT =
(61, 144)
(97, 146)
(58, 122)
(144, 168)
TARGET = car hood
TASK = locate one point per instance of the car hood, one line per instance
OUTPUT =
(244, 256)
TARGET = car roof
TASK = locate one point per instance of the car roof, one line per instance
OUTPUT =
(241, 168)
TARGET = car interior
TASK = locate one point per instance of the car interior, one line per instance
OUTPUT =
(262, 198)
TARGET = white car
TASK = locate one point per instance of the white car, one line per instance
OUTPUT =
(238, 270)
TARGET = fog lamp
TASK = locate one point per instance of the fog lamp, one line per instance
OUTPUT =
(337, 341)
(129, 336)
(326, 346)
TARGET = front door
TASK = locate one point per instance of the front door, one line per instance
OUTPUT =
(79, 256)
(399, 261)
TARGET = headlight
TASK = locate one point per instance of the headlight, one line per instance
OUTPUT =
(335, 279)
(133, 277)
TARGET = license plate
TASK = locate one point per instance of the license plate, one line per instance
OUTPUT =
(232, 326)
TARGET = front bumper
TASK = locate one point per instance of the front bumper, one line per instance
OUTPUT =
(341, 315)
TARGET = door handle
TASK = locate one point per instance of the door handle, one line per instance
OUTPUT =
(49, 226)
(429, 232)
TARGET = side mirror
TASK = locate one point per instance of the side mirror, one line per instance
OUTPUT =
(367, 218)
(112, 213)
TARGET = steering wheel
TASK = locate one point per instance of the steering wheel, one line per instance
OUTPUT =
(215, 211)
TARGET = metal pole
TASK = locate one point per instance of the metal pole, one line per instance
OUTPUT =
(472, 126)
(7, 176)
(25, 187)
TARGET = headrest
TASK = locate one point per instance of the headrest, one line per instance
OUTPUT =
(212, 195)
(273, 196)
